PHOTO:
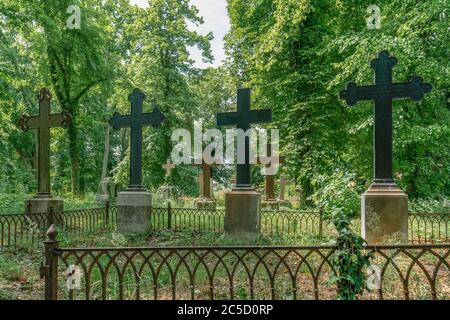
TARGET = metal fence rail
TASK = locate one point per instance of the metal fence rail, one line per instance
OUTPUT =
(238, 272)
(272, 221)
(28, 230)
(425, 227)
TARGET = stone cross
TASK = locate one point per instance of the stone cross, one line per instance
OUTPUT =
(282, 186)
(205, 188)
(42, 124)
(136, 120)
(383, 93)
(168, 166)
(270, 177)
(243, 119)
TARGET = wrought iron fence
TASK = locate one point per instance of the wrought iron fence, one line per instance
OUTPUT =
(240, 272)
(28, 230)
(272, 221)
(423, 227)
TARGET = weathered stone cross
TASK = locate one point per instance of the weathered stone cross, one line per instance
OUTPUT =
(282, 186)
(269, 176)
(243, 119)
(383, 93)
(168, 166)
(136, 120)
(205, 187)
(43, 123)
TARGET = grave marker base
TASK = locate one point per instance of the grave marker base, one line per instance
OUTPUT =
(205, 203)
(243, 214)
(40, 204)
(384, 214)
(133, 212)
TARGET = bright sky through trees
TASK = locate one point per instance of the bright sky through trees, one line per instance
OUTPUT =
(214, 12)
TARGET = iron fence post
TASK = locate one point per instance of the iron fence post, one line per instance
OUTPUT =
(169, 216)
(49, 270)
(107, 212)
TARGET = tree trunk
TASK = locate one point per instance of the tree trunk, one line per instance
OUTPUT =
(105, 154)
(72, 132)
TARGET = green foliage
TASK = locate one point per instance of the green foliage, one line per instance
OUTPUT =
(429, 205)
(349, 259)
(337, 192)
(15, 203)
(298, 55)
(295, 54)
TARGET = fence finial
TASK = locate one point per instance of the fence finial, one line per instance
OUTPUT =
(52, 233)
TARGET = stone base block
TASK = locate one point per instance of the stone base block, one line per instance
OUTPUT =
(205, 203)
(101, 199)
(384, 215)
(42, 205)
(243, 214)
(133, 212)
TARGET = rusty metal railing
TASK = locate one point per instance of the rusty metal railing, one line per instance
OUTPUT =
(237, 272)
(27, 230)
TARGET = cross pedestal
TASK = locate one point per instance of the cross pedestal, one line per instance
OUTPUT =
(384, 207)
(134, 204)
(42, 205)
(133, 212)
(243, 215)
(384, 214)
(43, 200)
(243, 203)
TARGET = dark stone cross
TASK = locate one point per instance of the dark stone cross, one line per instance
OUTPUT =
(42, 124)
(136, 120)
(243, 119)
(383, 93)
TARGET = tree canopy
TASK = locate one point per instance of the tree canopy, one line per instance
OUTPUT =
(296, 55)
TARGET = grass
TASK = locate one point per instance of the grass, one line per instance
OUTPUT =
(19, 269)
(15, 203)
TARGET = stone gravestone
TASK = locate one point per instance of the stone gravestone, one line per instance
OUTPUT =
(283, 184)
(384, 207)
(42, 123)
(270, 200)
(168, 167)
(103, 195)
(134, 203)
(243, 203)
(206, 200)
(103, 192)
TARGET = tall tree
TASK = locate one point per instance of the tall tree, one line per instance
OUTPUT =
(299, 54)
(161, 66)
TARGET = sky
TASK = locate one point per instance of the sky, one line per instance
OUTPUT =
(214, 13)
